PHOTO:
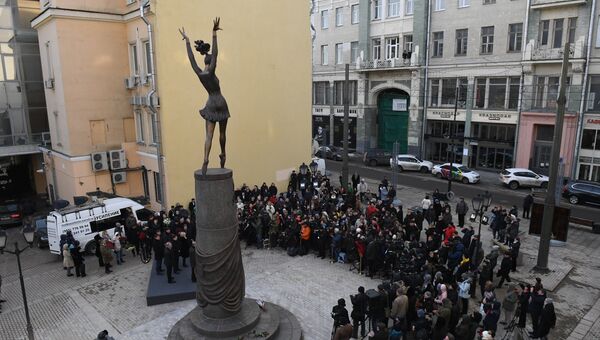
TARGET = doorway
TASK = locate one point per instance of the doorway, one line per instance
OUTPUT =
(392, 119)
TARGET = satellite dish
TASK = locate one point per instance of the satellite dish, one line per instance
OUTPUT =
(59, 204)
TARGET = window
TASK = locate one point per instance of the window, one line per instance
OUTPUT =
(324, 55)
(410, 7)
(589, 140)
(439, 5)
(139, 126)
(133, 60)
(391, 47)
(393, 9)
(376, 49)
(435, 92)
(515, 37)
(593, 99)
(148, 59)
(438, 44)
(354, 14)
(487, 40)
(321, 94)
(462, 36)
(489, 2)
(558, 33)
(544, 32)
(353, 51)
(339, 16)
(376, 9)
(408, 42)
(339, 53)
(513, 92)
(497, 93)
(154, 128)
(464, 3)
(448, 91)
(572, 28)
(338, 90)
(325, 19)
(480, 87)
(157, 187)
(546, 92)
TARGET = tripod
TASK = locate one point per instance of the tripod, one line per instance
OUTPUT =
(511, 326)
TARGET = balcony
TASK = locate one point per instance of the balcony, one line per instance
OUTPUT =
(389, 64)
(21, 144)
(536, 4)
(534, 52)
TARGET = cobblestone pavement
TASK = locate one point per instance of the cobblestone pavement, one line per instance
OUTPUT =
(64, 307)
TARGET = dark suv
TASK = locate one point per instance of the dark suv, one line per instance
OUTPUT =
(582, 192)
(376, 157)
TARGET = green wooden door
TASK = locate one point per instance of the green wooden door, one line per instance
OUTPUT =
(393, 124)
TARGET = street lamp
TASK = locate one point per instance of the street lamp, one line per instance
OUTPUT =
(313, 167)
(480, 204)
(303, 169)
(28, 234)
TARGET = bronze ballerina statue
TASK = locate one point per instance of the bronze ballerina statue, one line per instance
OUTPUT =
(216, 109)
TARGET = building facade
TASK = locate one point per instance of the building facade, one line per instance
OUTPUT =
(23, 117)
(118, 65)
(482, 79)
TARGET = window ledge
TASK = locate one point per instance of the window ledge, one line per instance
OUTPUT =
(140, 142)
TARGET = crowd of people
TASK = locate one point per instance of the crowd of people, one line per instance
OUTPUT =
(429, 265)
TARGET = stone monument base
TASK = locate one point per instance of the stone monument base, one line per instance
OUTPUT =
(271, 322)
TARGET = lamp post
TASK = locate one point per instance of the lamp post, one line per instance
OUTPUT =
(28, 233)
(303, 178)
(314, 166)
(480, 203)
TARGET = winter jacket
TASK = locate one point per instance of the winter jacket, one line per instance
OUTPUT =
(67, 258)
(464, 288)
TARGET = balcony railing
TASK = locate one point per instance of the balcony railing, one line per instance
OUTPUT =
(536, 52)
(555, 3)
(42, 139)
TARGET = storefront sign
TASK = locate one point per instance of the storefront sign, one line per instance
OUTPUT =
(592, 121)
(502, 117)
(441, 114)
(399, 104)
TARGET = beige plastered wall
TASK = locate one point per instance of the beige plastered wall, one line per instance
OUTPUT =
(264, 67)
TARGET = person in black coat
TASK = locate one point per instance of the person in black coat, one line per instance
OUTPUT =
(514, 253)
(78, 260)
(169, 261)
(505, 267)
(97, 239)
(536, 305)
(360, 303)
(523, 303)
(527, 203)
(159, 252)
(175, 246)
(184, 248)
(547, 320)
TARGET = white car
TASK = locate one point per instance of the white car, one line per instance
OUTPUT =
(411, 163)
(459, 173)
(519, 177)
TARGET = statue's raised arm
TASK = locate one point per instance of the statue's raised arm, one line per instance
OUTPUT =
(190, 53)
(215, 50)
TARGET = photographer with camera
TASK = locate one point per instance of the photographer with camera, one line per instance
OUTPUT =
(360, 303)
(342, 329)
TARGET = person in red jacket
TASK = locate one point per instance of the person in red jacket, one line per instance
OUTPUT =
(449, 233)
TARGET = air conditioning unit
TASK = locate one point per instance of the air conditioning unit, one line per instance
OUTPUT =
(49, 84)
(130, 83)
(119, 177)
(99, 161)
(117, 159)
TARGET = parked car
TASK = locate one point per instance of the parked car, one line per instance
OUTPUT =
(412, 163)
(459, 173)
(10, 213)
(40, 236)
(375, 157)
(329, 152)
(519, 177)
(582, 192)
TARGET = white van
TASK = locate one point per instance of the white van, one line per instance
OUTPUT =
(85, 221)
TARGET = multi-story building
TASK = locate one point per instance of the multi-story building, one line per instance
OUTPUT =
(110, 60)
(376, 38)
(484, 90)
(23, 118)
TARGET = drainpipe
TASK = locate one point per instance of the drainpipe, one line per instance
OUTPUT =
(582, 106)
(521, 87)
(426, 87)
(152, 107)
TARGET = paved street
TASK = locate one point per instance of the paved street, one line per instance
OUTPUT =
(74, 308)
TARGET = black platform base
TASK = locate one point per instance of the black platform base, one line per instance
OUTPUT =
(272, 322)
(160, 291)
